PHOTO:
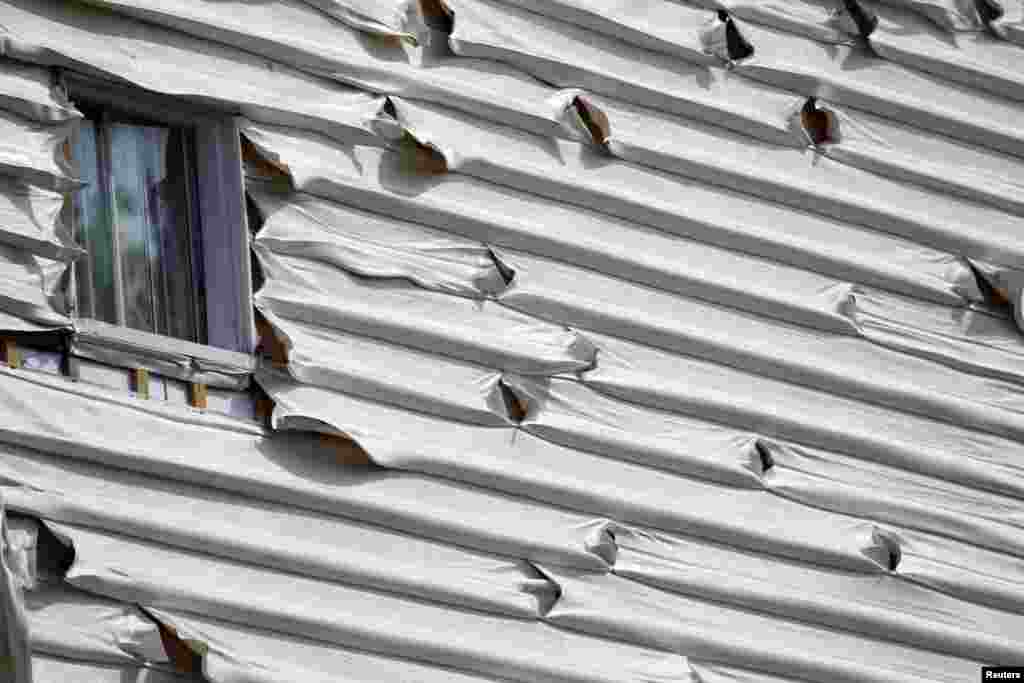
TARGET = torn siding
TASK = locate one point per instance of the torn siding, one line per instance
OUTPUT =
(591, 358)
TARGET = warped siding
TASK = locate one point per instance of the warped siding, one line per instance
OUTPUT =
(587, 366)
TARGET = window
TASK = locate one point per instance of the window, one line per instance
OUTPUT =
(161, 217)
(137, 220)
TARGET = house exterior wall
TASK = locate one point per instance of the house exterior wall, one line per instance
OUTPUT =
(591, 358)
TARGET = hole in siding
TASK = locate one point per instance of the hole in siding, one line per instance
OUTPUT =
(994, 295)
(764, 456)
(594, 120)
(417, 158)
(507, 272)
(856, 19)
(437, 16)
(722, 38)
(818, 124)
(257, 164)
(516, 406)
(46, 558)
(181, 653)
(270, 345)
(989, 10)
(884, 550)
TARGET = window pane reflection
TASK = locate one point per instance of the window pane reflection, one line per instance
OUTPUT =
(95, 271)
(135, 224)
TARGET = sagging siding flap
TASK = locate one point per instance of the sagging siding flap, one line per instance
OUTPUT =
(28, 91)
(572, 414)
(582, 175)
(259, 532)
(30, 220)
(804, 180)
(854, 77)
(902, 152)
(233, 651)
(31, 151)
(642, 374)
(31, 288)
(855, 368)
(976, 59)
(151, 574)
(567, 56)
(15, 647)
(83, 37)
(895, 604)
(522, 465)
(56, 416)
(612, 606)
(294, 33)
(485, 332)
(391, 373)
(568, 172)
(373, 245)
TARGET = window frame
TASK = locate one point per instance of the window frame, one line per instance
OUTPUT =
(218, 203)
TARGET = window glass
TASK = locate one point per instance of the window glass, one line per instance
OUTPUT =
(94, 271)
(136, 224)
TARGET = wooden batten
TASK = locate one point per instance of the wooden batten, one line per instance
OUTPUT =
(12, 356)
(140, 382)
(197, 395)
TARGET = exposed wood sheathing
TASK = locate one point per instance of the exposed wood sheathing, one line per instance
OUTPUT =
(588, 352)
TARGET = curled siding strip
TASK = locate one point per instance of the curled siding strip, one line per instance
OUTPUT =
(389, 18)
(854, 77)
(800, 17)
(155, 575)
(805, 180)
(1010, 26)
(855, 368)
(609, 605)
(571, 414)
(904, 611)
(110, 428)
(574, 415)
(484, 333)
(976, 341)
(28, 92)
(46, 669)
(30, 220)
(854, 486)
(659, 26)
(976, 59)
(525, 466)
(32, 152)
(813, 417)
(375, 246)
(29, 288)
(903, 153)
(74, 624)
(952, 15)
(391, 373)
(292, 32)
(15, 643)
(577, 174)
(567, 56)
(92, 39)
(628, 251)
(233, 652)
(258, 532)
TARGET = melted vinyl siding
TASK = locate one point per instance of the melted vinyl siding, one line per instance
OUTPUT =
(675, 401)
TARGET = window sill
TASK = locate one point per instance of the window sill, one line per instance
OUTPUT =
(175, 358)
